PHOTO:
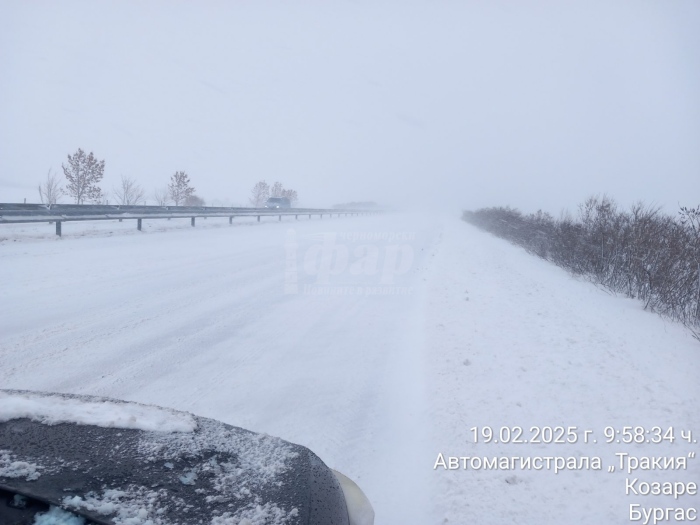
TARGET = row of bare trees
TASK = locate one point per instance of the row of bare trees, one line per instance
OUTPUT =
(641, 252)
(83, 174)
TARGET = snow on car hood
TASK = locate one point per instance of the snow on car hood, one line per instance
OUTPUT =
(113, 462)
(59, 408)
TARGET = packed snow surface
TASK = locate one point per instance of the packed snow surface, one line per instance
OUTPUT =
(378, 342)
(53, 410)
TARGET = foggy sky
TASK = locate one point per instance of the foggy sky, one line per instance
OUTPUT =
(448, 104)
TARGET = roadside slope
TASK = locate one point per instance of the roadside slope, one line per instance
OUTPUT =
(516, 341)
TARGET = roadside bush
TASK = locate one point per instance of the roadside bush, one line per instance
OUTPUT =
(641, 252)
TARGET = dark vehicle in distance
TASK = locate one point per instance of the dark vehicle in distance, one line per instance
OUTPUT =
(278, 202)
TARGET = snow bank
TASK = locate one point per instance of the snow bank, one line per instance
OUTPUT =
(58, 409)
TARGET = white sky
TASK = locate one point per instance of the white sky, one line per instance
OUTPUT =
(441, 103)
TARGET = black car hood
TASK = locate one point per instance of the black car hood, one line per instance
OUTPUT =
(216, 474)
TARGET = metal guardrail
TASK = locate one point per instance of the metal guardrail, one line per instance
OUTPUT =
(59, 213)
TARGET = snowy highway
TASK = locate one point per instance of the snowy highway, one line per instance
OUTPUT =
(378, 342)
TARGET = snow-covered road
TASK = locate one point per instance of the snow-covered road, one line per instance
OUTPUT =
(378, 342)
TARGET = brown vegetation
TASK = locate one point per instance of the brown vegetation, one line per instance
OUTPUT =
(640, 252)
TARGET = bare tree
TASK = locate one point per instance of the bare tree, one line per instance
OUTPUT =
(194, 200)
(276, 190)
(179, 188)
(50, 190)
(161, 196)
(259, 194)
(84, 172)
(291, 195)
(129, 193)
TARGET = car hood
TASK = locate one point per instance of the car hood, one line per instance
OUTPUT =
(113, 461)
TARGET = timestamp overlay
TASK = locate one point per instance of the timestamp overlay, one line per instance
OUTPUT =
(654, 467)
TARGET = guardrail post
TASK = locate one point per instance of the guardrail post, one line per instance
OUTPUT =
(138, 224)
(280, 218)
(296, 217)
(322, 215)
(309, 215)
(192, 221)
(258, 218)
(230, 220)
(58, 228)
